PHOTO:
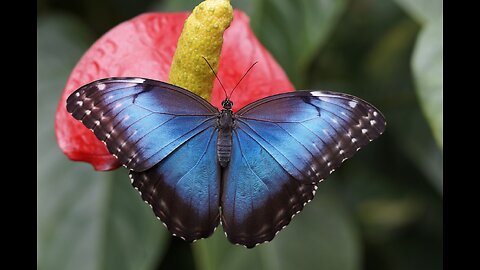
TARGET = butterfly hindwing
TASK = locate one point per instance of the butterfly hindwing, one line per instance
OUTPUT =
(184, 188)
(259, 197)
(283, 146)
(141, 121)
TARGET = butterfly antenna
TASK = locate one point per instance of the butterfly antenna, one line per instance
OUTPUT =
(214, 73)
(242, 78)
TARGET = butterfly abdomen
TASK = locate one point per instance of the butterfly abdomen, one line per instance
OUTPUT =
(224, 148)
(224, 139)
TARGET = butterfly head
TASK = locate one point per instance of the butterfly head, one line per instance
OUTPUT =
(227, 104)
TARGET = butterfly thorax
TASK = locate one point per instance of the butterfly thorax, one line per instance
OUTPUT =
(225, 126)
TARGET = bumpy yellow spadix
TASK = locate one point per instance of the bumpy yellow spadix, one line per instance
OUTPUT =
(202, 36)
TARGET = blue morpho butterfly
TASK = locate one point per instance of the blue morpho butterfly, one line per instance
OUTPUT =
(197, 166)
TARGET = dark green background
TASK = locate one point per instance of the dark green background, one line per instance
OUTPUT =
(382, 210)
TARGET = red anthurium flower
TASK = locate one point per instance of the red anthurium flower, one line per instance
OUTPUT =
(144, 47)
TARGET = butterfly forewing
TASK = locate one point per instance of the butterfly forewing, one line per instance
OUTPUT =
(141, 121)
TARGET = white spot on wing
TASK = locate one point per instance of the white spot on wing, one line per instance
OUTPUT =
(375, 114)
(131, 178)
(364, 130)
(101, 86)
(352, 104)
(77, 94)
(373, 122)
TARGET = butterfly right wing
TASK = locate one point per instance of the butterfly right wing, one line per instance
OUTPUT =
(283, 145)
(166, 136)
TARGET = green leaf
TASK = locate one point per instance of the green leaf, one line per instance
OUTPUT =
(388, 68)
(427, 64)
(322, 236)
(85, 219)
(427, 61)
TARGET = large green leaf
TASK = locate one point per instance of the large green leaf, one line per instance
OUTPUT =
(427, 61)
(427, 66)
(387, 67)
(321, 237)
(85, 219)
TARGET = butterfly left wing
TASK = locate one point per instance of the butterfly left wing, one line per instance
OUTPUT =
(166, 136)
(283, 146)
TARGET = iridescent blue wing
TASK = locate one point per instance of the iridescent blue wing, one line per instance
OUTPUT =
(141, 121)
(166, 136)
(283, 146)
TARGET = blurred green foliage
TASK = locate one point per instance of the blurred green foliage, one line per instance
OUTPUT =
(382, 210)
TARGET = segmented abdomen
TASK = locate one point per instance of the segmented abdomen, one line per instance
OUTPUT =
(224, 147)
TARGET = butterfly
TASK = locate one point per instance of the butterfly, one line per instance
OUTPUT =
(197, 166)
